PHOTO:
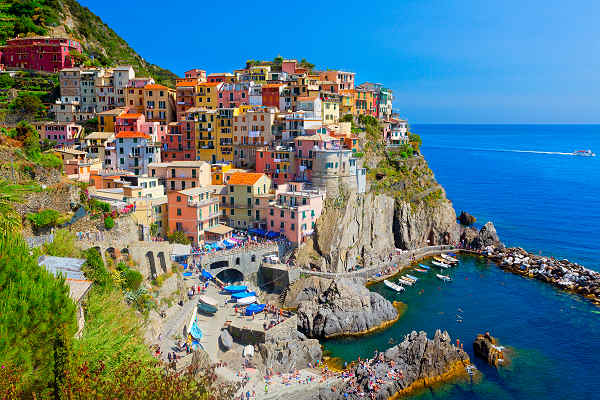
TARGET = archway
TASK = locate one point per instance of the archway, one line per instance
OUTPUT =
(125, 253)
(150, 257)
(219, 264)
(431, 238)
(230, 275)
(163, 263)
(111, 252)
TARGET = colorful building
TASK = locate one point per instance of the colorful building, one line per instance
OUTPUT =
(295, 211)
(63, 133)
(206, 128)
(181, 175)
(159, 103)
(343, 80)
(233, 95)
(107, 119)
(180, 142)
(193, 212)
(40, 53)
(208, 95)
(135, 151)
(247, 199)
(252, 127)
(134, 94)
(96, 143)
(271, 94)
(277, 162)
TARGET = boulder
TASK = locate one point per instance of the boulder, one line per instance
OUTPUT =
(417, 361)
(287, 355)
(487, 236)
(466, 219)
(225, 340)
(346, 307)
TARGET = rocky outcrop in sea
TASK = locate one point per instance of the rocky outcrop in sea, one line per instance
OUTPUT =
(345, 307)
(486, 346)
(414, 363)
(487, 236)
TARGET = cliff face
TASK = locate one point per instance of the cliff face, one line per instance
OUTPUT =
(367, 228)
(421, 224)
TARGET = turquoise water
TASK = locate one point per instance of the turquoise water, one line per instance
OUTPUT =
(543, 202)
(555, 335)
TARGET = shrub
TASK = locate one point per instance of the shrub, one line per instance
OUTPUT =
(109, 223)
(403, 155)
(99, 205)
(63, 245)
(95, 270)
(49, 160)
(44, 219)
(133, 279)
(178, 237)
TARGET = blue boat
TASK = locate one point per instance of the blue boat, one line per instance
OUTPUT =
(187, 274)
(452, 254)
(241, 295)
(206, 275)
(235, 288)
(195, 331)
(254, 309)
(423, 266)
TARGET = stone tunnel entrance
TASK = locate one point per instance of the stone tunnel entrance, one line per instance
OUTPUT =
(150, 257)
(163, 262)
(230, 275)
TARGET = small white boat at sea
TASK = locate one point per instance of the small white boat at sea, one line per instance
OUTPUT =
(440, 264)
(449, 259)
(407, 282)
(443, 277)
(584, 153)
(393, 286)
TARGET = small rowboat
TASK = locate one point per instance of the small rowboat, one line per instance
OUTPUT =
(407, 282)
(206, 308)
(393, 286)
(449, 259)
(424, 266)
(444, 277)
(414, 278)
(440, 259)
(420, 270)
(440, 264)
(241, 295)
(235, 288)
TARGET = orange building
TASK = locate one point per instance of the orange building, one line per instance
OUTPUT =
(194, 212)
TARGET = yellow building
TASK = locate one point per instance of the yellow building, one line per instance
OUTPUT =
(330, 109)
(206, 133)
(225, 134)
(106, 119)
(348, 104)
(207, 95)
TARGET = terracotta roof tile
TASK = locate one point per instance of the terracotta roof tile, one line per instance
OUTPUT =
(130, 134)
(130, 116)
(155, 86)
(245, 178)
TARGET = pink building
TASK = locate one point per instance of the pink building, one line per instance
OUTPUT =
(295, 211)
(63, 133)
(343, 80)
(196, 73)
(279, 163)
(136, 122)
(305, 152)
(193, 212)
(41, 53)
(233, 95)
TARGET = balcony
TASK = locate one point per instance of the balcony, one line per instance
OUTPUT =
(202, 203)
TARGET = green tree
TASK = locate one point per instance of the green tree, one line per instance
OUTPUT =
(34, 307)
(347, 118)
(44, 219)
(178, 237)
(27, 106)
(415, 141)
(95, 270)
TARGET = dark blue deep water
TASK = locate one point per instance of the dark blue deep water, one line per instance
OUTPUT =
(543, 202)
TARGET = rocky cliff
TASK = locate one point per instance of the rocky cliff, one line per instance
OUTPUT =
(288, 355)
(416, 362)
(345, 307)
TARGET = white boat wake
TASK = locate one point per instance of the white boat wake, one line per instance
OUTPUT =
(505, 150)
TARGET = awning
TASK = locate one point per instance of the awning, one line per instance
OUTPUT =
(272, 235)
(256, 231)
(220, 229)
(206, 274)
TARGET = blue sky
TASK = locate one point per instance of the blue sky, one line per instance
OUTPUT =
(452, 61)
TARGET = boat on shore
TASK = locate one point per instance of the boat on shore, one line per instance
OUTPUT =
(247, 300)
(424, 266)
(241, 295)
(440, 264)
(393, 286)
(445, 278)
(235, 288)
(207, 304)
(254, 309)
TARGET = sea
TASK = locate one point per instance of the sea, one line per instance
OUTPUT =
(541, 198)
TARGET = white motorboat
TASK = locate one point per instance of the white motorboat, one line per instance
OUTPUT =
(405, 281)
(393, 286)
(584, 153)
(414, 278)
(440, 264)
(443, 277)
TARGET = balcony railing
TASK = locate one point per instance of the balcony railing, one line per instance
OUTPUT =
(201, 203)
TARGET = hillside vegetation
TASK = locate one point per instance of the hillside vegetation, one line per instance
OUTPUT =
(68, 17)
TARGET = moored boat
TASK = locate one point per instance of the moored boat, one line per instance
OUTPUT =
(393, 286)
(247, 300)
(584, 153)
(241, 295)
(424, 266)
(254, 309)
(414, 278)
(207, 304)
(420, 270)
(407, 282)
(443, 277)
(449, 259)
(235, 288)
(440, 264)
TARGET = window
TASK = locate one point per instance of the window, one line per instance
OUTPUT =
(249, 213)
(312, 213)
(272, 223)
(257, 214)
(253, 258)
(282, 225)
(282, 214)
(237, 261)
(179, 212)
(232, 211)
(178, 198)
(231, 189)
(293, 227)
(271, 212)
(249, 189)
(173, 185)
(257, 202)
(293, 214)
(304, 201)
